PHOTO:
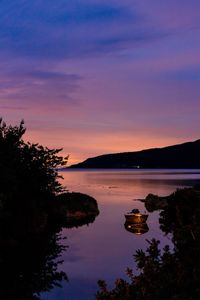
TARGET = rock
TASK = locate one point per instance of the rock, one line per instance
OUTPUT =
(154, 202)
(75, 207)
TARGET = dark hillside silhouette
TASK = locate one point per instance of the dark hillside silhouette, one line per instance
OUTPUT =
(178, 156)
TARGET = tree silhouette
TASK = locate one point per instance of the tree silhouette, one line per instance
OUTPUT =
(167, 274)
(33, 210)
(28, 171)
(29, 246)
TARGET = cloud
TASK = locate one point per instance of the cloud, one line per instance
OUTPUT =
(65, 29)
(185, 74)
(111, 74)
(21, 88)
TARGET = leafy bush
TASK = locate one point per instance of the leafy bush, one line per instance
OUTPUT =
(167, 275)
(27, 170)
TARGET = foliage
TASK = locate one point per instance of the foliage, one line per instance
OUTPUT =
(29, 264)
(33, 209)
(29, 246)
(167, 275)
(27, 170)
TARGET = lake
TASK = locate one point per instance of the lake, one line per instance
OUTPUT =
(104, 249)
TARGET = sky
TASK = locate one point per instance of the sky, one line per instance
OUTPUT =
(95, 76)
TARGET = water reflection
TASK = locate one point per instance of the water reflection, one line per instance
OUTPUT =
(105, 249)
(166, 274)
(75, 223)
(137, 229)
(28, 261)
(30, 254)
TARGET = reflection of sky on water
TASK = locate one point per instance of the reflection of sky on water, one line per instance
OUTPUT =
(104, 249)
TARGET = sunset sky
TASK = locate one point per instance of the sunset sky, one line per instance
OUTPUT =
(95, 76)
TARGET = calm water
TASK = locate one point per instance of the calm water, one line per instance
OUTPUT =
(104, 249)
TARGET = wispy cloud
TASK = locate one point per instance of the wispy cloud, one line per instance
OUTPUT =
(64, 29)
(185, 74)
(109, 75)
(34, 86)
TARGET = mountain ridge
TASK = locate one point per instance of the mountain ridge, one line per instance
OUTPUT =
(184, 155)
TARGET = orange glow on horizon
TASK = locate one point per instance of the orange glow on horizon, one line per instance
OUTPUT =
(80, 147)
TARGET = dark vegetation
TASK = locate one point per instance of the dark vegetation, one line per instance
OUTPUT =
(167, 274)
(183, 156)
(33, 209)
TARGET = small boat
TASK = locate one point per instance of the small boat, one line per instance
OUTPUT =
(136, 217)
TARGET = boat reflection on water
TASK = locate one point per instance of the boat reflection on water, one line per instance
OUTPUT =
(136, 222)
(137, 229)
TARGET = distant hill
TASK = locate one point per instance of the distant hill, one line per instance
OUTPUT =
(180, 156)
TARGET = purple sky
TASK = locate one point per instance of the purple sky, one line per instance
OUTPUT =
(95, 76)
